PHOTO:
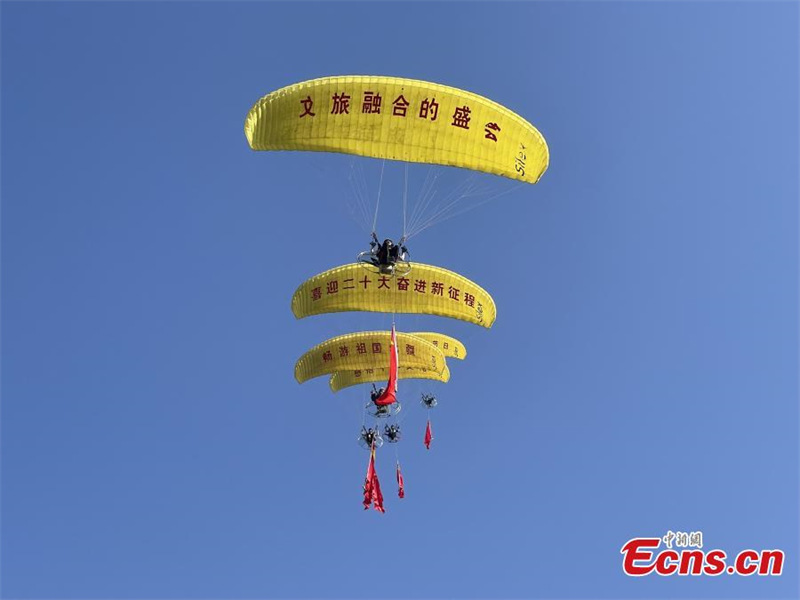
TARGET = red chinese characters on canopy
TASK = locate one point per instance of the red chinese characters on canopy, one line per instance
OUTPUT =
(307, 103)
(400, 106)
(371, 103)
(490, 135)
(361, 348)
(332, 287)
(341, 104)
(402, 284)
(429, 109)
(461, 117)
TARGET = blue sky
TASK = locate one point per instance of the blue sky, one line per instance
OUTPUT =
(641, 376)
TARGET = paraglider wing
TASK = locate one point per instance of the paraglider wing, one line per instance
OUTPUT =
(450, 347)
(378, 371)
(343, 379)
(425, 290)
(363, 351)
(398, 119)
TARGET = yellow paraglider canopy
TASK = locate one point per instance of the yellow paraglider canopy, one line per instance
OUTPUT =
(366, 350)
(398, 119)
(425, 290)
(377, 371)
(450, 346)
(342, 379)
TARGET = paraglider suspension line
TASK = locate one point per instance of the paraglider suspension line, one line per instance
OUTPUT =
(405, 205)
(378, 202)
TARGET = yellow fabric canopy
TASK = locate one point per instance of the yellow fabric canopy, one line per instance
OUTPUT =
(342, 379)
(366, 350)
(450, 346)
(398, 119)
(425, 290)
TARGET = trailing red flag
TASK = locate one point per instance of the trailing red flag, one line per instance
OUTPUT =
(372, 487)
(400, 489)
(389, 395)
(428, 435)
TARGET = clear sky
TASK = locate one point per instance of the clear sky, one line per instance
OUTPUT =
(641, 376)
